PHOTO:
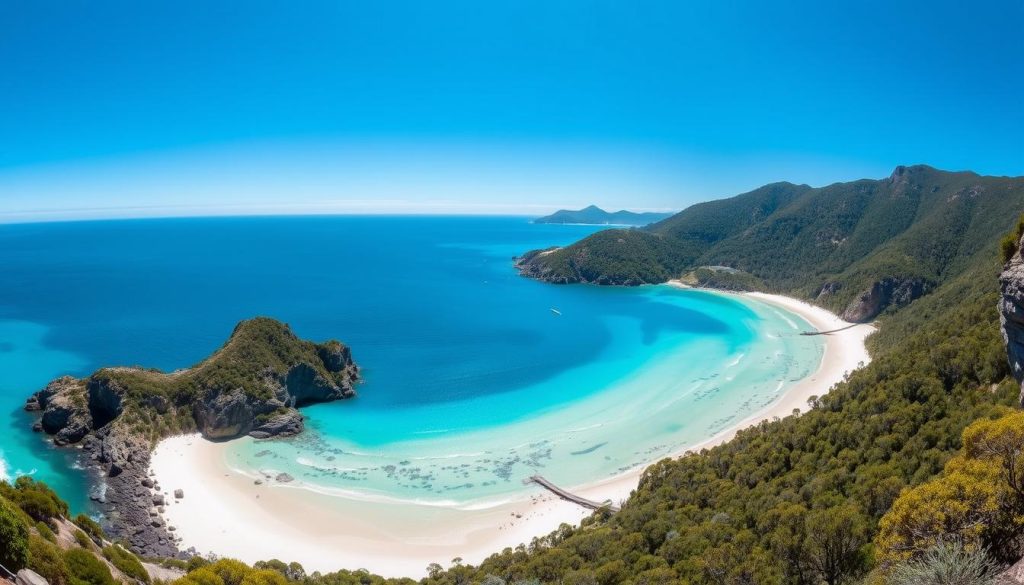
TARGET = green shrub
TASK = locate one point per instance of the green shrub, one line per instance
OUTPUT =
(291, 571)
(46, 559)
(232, 572)
(38, 506)
(126, 562)
(83, 540)
(90, 527)
(46, 532)
(1011, 241)
(196, 562)
(13, 538)
(201, 576)
(264, 577)
(85, 569)
(35, 498)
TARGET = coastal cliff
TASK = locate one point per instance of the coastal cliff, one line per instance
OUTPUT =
(1011, 305)
(251, 386)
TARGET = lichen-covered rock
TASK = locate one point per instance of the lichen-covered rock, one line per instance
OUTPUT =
(1011, 314)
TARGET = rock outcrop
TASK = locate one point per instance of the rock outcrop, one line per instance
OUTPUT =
(1011, 313)
(252, 385)
(882, 294)
(30, 577)
(66, 415)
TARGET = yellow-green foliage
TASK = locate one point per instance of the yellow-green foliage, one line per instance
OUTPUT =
(91, 528)
(978, 499)
(46, 558)
(126, 562)
(44, 531)
(83, 539)
(85, 569)
(264, 577)
(275, 572)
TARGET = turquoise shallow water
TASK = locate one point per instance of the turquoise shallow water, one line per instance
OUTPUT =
(471, 381)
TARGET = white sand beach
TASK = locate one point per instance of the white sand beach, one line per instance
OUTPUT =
(227, 512)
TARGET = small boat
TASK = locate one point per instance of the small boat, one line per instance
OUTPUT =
(556, 311)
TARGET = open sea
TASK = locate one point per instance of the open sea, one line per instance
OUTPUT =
(471, 382)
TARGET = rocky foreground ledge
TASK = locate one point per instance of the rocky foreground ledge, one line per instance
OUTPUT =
(251, 386)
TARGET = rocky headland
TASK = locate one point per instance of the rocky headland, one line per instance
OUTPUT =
(253, 386)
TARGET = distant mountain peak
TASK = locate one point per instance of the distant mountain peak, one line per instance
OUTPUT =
(905, 170)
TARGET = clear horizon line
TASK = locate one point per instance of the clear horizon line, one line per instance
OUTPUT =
(213, 211)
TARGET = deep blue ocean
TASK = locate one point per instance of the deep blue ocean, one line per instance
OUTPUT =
(450, 339)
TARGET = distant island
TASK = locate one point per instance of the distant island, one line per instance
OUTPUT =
(250, 386)
(594, 215)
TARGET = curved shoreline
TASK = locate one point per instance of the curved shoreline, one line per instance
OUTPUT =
(227, 512)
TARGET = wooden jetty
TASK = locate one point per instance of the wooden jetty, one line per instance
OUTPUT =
(850, 326)
(570, 497)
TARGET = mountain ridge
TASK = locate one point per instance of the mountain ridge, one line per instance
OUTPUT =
(857, 247)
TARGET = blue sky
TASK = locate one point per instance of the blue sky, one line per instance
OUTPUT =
(196, 107)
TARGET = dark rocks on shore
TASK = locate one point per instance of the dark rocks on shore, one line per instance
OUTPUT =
(121, 463)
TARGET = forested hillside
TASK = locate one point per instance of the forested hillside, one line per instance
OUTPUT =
(858, 248)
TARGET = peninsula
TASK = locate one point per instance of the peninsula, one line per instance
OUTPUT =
(252, 386)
